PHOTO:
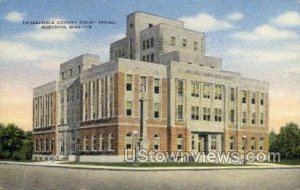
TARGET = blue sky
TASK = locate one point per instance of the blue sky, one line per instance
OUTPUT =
(259, 39)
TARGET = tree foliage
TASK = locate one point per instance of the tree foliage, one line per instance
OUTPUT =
(15, 143)
(287, 142)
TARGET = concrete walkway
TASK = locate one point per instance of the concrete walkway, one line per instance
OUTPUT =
(61, 164)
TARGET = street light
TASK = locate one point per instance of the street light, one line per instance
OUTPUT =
(245, 137)
(143, 90)
(135, 150)
(52, 149)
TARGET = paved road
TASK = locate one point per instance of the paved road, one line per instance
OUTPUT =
(38, 177)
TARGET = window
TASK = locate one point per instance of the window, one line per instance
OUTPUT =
(156, 110)
(128, 82)
(151, 42)
(195, 113)
(179, 87)
(71, 73)
(213, 143)
(184, 42)
(93, 143)
(261, 143)
(128, 141)
(231, 116)
(156, 144)
(152, 58)
(101, 142)
(110, 142)
(232, 96)
(179, 142)
(156, 86)
(206, 91)
(144, 83)
(79, 69)
(195, 46)
(195, 89)
(253, 98)
(218, 114)
(244, 96)
(253, 143)
(244, 140)
(231, 143)
(173, 41)
(148, 43)
(253, 118)
(218, 92)
(128, 108)
(180, 112)
(262, 99)
(150, 25)
(47, 145)
(193, 142)
(206, 114)
(144, 58)
(262, 118)
(144, 45)
(244, 115)
(62, 76)
(148, 58)
(85, 144)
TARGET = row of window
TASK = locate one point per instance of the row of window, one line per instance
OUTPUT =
(218, 114)
(69, 73)
(96, 143)
(195, 91)
(95, 104)
(149, 43)
(253, 97)
(156, 83)
(43, 145)
(42, 110)
(131, 141)
(245, 143)
(184, 43)
(156, 109)
(148, 58)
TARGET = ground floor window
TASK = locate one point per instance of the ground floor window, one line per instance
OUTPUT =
(179, 142)
(156, 145)
(213, 143)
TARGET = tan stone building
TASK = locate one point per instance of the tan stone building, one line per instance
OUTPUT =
(189, 102)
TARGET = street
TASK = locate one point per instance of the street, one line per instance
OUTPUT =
(38, 177)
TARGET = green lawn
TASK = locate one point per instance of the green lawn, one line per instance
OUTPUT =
(167, 164)
(290, 162)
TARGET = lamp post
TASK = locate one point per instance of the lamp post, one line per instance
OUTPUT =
(135, 150)
(143, 89)
(245, 138)
(52, 149)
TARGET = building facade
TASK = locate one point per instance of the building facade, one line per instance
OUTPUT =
(189, 102)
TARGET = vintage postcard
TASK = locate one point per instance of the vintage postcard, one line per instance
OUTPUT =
(134, 94)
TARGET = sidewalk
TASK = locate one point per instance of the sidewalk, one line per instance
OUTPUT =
(253, 166)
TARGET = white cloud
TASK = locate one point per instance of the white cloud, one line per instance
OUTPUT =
(266, 33)
(205, 23)
(284, 53)
(52, 35)
(289, 19)
(14, 16)
(20, 52)
(235, 16)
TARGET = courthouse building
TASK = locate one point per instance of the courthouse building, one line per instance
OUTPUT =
(189, 102)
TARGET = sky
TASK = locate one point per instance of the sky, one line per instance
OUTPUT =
(257, 38)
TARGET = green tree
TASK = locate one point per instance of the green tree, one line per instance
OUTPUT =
(15, 143)
(287, 142)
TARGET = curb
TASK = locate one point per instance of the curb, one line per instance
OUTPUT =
(115, 168)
